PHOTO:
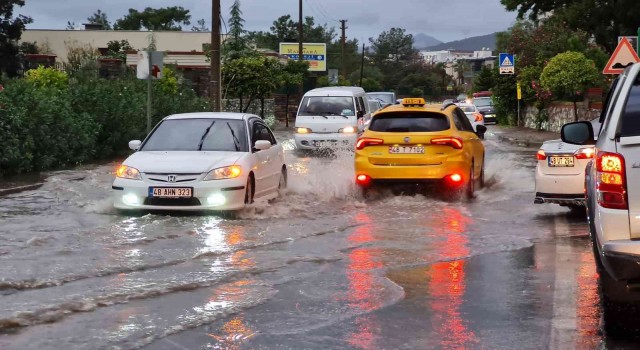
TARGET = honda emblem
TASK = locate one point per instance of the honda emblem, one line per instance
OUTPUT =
(171, 178)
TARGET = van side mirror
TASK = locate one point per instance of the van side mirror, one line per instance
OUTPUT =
(578, 133)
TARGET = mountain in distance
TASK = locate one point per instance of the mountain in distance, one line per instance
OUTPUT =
(468, 44)
(421, 40)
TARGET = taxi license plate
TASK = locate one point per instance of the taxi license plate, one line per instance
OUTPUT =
(406, 149)
(555, 161)
(170, 192)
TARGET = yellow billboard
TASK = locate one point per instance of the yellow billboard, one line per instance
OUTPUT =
(315, 54)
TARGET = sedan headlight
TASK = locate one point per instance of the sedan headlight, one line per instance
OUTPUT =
(127, 172)
(303, 130)
(348, 130)
(228, 172)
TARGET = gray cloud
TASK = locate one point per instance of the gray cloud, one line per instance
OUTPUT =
(443, 19)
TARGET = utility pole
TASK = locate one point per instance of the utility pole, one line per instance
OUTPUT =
(362, 65)
(344, 39)
(216, 76)
(300, 46)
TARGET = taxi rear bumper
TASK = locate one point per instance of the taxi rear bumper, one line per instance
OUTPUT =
(411, 173)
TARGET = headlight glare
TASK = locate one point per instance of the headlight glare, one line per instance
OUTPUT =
(227, 172)
(127, 172)
(348, 130)
(303, 130)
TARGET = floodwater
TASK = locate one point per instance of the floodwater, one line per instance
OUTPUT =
(320, 268)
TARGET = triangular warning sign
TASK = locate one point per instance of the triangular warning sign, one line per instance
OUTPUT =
(506, 62)
(622, 57)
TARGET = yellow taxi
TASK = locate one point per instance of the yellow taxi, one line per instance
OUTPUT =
(414, 142)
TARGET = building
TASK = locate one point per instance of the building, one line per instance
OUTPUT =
(58, 41)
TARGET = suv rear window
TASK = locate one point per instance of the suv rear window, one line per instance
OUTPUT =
(631, 114)
(410, 122)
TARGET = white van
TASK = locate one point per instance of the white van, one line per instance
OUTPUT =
(331, 117)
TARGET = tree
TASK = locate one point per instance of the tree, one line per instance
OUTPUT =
(250, 76)
(604, 19)
(484, 80)
(166, 18)
(11, 29)
(29, 48)
(71, 26)
(284, 29)
(201, 26)
(100, 18)
(236, 44)
(569, 74)
(118, 49)
(391, 52)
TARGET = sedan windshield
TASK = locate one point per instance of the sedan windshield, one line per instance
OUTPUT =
(410, 122)
(327, 105)
(468, 109)
(483, 102)
(198, 135)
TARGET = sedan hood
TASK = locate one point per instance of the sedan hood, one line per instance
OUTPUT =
(180, 162)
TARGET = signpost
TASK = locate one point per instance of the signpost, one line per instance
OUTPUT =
(519, 95)
(314, 53)
(149, 66)
(507, 63)
(623, 56)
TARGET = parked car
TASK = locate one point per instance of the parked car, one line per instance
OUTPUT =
(612, 190)
(473, 114)
(331, 117)
(201, 161)
(387, 97)
(560, 172)
(485, 106)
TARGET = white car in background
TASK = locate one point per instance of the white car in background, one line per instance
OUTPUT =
(473, 114)
(560, 172)
(201, 161)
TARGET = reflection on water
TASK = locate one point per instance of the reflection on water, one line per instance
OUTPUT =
(447, 285)
(587, 308)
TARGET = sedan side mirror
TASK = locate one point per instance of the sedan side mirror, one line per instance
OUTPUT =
(262, 145)
(135, 145)
(578, 133)
(480, 131)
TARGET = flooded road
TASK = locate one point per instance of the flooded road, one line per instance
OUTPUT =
(321, 268)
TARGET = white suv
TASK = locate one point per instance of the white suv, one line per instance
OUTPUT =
(612, 189)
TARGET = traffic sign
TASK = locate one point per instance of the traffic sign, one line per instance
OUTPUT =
(142, 65)
(507, 63)
(623, 56)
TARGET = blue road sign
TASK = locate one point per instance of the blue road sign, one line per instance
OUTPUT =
(507, 63)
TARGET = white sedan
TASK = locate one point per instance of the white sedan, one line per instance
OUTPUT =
(201, 161)
(560, 172)
(473, 114)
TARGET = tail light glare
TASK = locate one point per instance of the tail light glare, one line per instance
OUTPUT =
(367, 141)
(541, 155)
(456, 177)
(454, 142)
(611, 181)
(585, 153)
(479, 117)
(363, 180)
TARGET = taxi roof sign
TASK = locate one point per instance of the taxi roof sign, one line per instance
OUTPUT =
(413, 102)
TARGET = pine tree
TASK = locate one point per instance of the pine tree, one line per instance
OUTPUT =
(100, 17)
(237, 43)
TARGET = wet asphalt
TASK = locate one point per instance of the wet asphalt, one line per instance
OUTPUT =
(321, 268)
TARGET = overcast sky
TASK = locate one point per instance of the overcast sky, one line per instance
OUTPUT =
(446, 20)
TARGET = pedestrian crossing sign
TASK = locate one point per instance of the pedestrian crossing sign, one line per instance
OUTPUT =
(507, 63)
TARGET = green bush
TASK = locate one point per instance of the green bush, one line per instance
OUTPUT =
(48, 78)
(44, 125)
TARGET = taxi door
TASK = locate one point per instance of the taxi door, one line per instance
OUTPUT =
(469, 137)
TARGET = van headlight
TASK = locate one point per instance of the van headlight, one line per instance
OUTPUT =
(348, 130)
(127, 172)
(227, 172)
(303, 130)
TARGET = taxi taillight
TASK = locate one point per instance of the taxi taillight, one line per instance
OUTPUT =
(611, 187)
(363, 180)
(454, 142)
(367, 141)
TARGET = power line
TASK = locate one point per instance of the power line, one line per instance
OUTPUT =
(322, 9)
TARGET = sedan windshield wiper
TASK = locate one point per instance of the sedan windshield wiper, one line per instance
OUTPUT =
(236, 142)
(206, 132)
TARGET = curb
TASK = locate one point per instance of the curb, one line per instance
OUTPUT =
(17, 189)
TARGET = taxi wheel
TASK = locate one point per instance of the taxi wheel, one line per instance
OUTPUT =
(481, 182)
(471, 185)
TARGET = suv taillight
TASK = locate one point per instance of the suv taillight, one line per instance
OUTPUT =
(367, 141)
(611, 184)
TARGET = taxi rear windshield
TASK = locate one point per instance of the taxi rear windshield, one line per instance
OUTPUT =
(410, 122)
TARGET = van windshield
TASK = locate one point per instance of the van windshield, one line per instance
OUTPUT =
(327, 105)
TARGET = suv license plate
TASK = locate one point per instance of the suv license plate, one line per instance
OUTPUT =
(170, 192)
(555, 161)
